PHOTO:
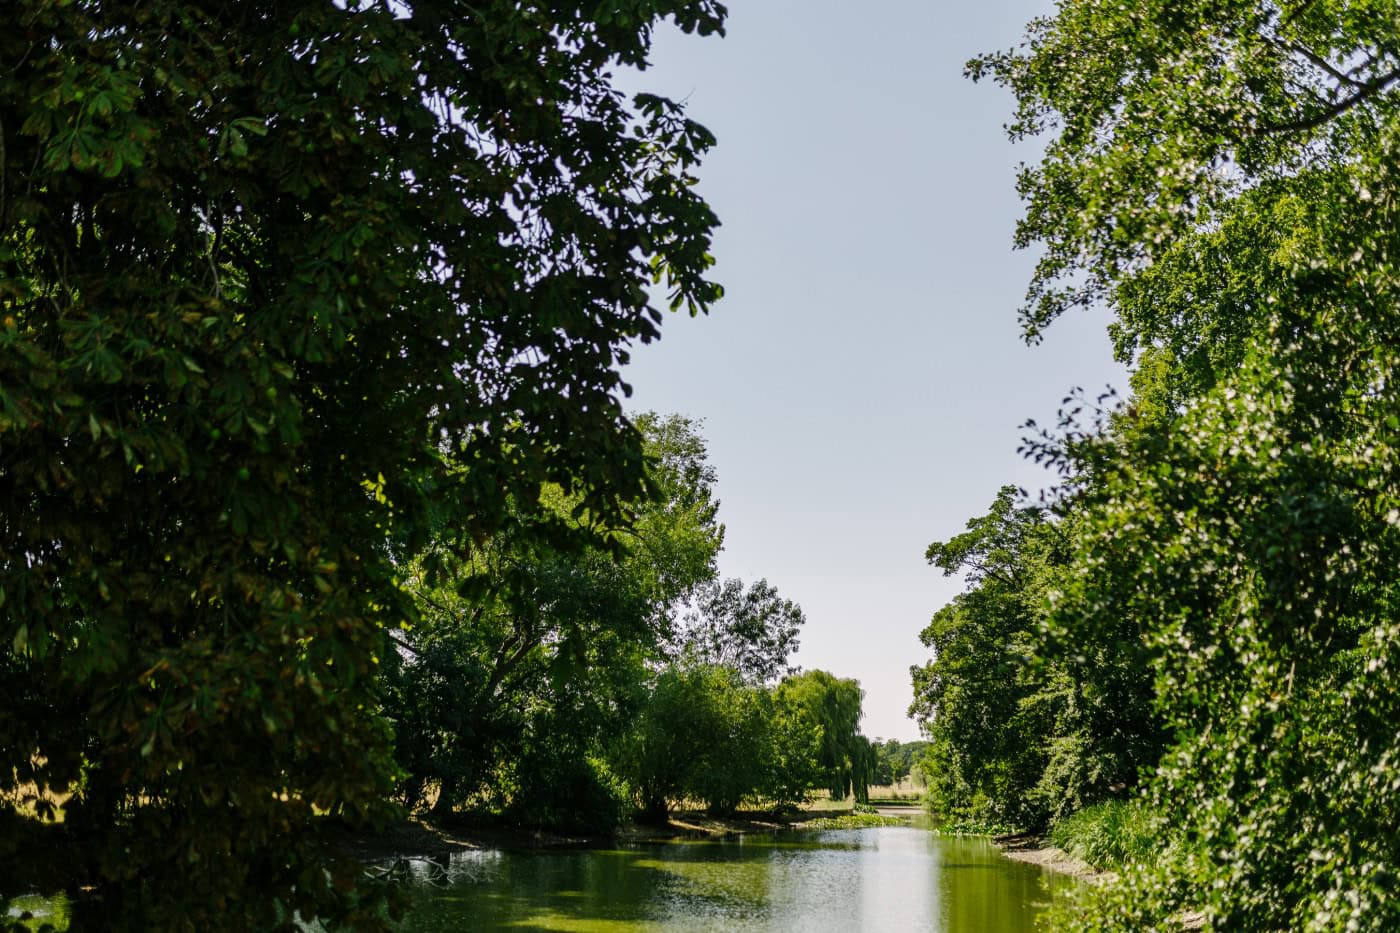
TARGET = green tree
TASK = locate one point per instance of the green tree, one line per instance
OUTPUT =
(524, 658)
(795, 743)
(752, 630)
(1160, 114)
(538, 628)
(703, 733)
(1224, 175)
(260, 266)
(895, 760)
(1027, 723)
(831, 708)
(975, 698)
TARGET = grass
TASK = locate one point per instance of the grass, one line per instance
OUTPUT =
(1110, 835)
(825, 802)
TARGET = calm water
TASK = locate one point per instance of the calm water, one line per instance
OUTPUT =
(887, 879)
(891, 879)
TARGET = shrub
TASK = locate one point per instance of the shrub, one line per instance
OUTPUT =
(1109, 835)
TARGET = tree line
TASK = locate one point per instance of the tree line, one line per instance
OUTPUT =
(1199, 619)
(571, 686)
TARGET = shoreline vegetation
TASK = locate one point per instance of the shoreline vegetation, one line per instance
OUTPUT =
(1178, 658)
(418, 836)
(1037, 849)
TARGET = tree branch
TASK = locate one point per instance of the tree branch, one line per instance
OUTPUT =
(403, 644)
(1320, 62)
(1368, 90)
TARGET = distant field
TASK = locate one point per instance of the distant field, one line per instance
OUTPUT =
(904, 792)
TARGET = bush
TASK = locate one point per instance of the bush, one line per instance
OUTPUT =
(1110, 835)
(579, 795)
(977, 827)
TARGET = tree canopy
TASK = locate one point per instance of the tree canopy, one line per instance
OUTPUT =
(274, 278)
(1222, 176)
(531, 652)
(752, 630)
(831, 707)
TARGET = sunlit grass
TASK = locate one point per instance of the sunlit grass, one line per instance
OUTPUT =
(27, 799)
(34, 912)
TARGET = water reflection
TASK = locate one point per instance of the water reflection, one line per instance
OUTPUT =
(891, 878)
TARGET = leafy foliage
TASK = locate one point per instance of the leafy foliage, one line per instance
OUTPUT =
(707, 732)
(524, 660)
(260, 268)
(1224, 174)
(895, 761)
(1160, 113)
(703, 733)
(1110, 836)
(541, 683)
(752, 630)
(1024, 723)
(830, 706)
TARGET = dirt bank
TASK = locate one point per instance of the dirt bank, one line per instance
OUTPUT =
(1037, 850)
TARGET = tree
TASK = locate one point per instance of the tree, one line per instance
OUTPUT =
(532, 649)
(972, 698)
(794, 744)
(895, 760)
(260, 268)
(1025, 722)
(703, 733)
(830, 707)
(1227, 170)
(1160, 114)
(752, 630)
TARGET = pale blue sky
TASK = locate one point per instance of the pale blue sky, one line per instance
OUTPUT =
(863, 382)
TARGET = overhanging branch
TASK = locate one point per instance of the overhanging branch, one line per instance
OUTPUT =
(1368, 90)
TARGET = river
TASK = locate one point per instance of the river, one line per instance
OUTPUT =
(890, 878)
(887, 879)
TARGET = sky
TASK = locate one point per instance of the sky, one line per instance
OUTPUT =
(863, 382)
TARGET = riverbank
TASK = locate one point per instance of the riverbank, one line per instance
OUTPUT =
(416, 837)
(1036, 850)
(905, 878)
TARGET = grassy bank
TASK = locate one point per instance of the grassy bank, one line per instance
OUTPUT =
(851, 821)
(1109, 836)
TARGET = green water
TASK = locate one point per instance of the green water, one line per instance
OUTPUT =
(893, 878)
(887, 879)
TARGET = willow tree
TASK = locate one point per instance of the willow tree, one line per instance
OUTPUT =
(830, 709)
(261, 265)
